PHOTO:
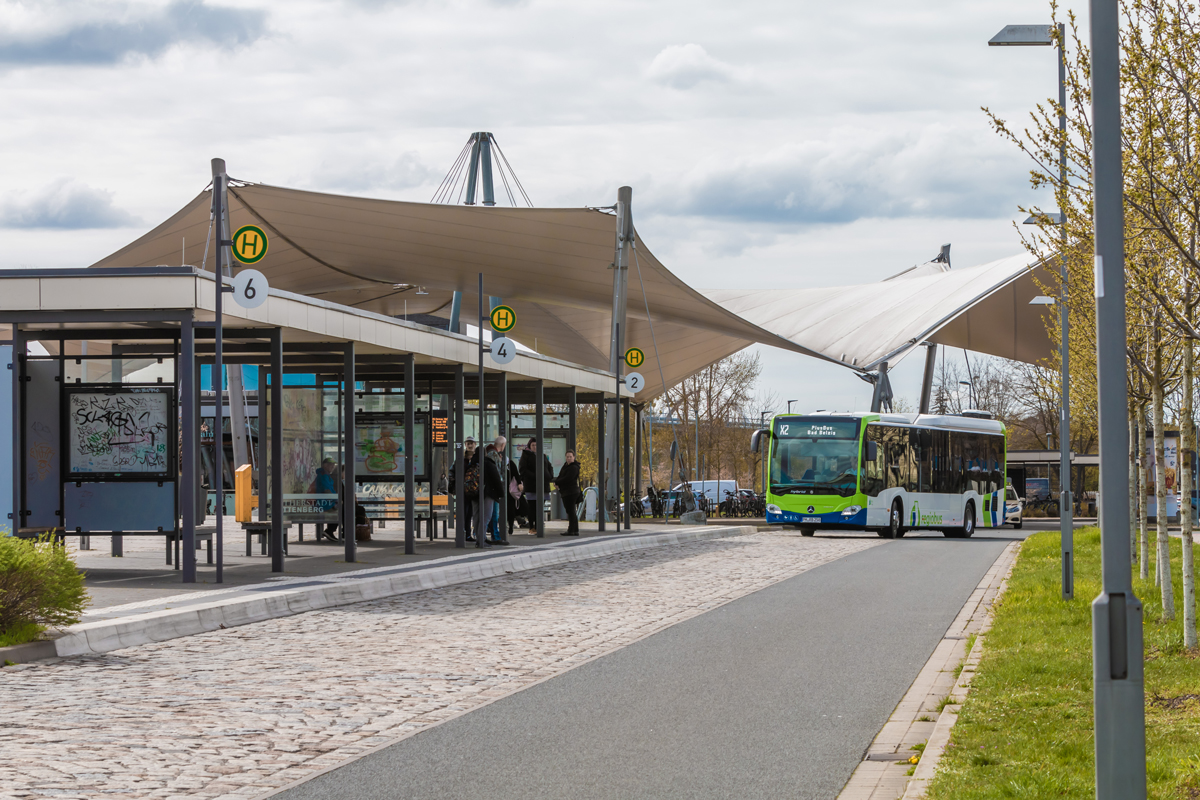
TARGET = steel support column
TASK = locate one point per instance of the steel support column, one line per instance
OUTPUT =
(627, 459)
(348, 497)
(927, 378)
(186, 369)
(410, 463)
(460, 433)
(540, 461)
(276, 462)
(601, 467)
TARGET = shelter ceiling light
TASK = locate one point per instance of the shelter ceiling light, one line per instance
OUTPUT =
(1042, 300)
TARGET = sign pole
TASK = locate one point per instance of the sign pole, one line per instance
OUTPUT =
(218, 190)
(481, 527)
(1117, 660)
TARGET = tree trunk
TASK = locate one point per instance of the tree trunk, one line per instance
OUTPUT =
(1160, 488)
(1143, 491)
(1187, 447)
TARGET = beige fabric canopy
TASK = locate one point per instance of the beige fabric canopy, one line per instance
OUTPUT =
(553, 266)
(984, 309)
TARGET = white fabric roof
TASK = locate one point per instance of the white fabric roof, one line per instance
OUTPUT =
(985, 309)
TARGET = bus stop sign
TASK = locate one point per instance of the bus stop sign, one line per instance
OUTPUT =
(249, 244)
(634, 357)
(503, 319)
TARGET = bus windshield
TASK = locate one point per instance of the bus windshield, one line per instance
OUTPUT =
(814, 455)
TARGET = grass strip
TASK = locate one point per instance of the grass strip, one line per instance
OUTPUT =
(1025, 730)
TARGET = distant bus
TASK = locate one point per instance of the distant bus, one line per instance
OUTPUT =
(890, 473)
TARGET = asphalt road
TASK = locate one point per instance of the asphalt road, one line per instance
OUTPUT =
(777, 694)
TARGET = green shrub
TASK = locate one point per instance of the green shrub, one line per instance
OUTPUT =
(40, 587)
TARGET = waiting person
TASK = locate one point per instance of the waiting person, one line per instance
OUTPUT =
(493, 491)
(326, 482)
(468, 512)
(512, 479)
(529, 484)
(568, 491)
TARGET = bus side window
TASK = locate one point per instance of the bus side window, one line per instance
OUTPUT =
(873, 469)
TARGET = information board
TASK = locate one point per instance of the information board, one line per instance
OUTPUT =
(439, 425)
(124, 432)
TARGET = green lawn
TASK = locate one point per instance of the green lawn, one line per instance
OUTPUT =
(1026, 728)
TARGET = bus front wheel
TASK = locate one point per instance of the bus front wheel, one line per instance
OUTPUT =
(895, 527)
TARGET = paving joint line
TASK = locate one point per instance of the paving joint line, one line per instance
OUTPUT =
(917, 718)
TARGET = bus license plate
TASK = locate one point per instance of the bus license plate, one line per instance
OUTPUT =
(811, 519)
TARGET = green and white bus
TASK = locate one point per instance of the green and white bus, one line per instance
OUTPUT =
(885, 472)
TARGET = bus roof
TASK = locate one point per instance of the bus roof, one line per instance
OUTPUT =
(941, 421)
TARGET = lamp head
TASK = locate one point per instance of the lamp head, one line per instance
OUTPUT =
(1023, 36)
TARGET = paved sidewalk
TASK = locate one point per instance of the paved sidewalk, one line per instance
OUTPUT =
(238, 712)
(142, 574)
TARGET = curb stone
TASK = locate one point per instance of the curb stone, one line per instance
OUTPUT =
(882, 774)
(276, 600)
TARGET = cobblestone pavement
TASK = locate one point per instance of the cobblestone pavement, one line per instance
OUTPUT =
(239, 712)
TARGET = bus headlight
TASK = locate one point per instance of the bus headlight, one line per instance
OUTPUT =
(851, 511)
(774, 509)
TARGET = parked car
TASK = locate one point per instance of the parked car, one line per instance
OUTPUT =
(1013, 507)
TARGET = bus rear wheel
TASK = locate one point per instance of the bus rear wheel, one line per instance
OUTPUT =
(968, 526)
(895, 527)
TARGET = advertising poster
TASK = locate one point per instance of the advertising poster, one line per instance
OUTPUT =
(309, 487)
(1170, 474)
(379, 448)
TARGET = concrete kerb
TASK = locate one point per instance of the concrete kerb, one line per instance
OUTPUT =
(882, 774)
(157, 626)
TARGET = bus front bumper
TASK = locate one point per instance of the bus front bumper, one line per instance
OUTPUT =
(835, 519)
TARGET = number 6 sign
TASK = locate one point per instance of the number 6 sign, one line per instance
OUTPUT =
(250, 288)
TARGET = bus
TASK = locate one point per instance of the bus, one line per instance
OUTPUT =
(889, 473)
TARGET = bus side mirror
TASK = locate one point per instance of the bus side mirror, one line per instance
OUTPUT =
(756, 439)
(872, 451)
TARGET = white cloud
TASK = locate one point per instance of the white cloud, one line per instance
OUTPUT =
(682, 66)
(65, 204)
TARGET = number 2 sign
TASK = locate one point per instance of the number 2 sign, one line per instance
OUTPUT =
(250, 288)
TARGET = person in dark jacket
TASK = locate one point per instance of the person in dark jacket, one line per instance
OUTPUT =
(493, 491)
(529, 480)
(468, 513)
(568, 490)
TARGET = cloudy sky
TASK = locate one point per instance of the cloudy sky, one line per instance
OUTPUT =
(795, 143)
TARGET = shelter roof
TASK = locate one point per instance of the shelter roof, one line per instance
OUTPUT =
(553, 266)
(984, 309)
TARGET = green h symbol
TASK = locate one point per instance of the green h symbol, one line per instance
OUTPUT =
(249, 242)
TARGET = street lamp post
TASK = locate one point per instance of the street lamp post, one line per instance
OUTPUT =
(1117, 660)
(789, 402)
(1041, 36)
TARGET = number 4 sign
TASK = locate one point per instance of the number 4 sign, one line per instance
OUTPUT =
(503, 350)
(250, 288)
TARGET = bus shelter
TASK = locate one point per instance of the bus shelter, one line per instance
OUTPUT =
(104, 418)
